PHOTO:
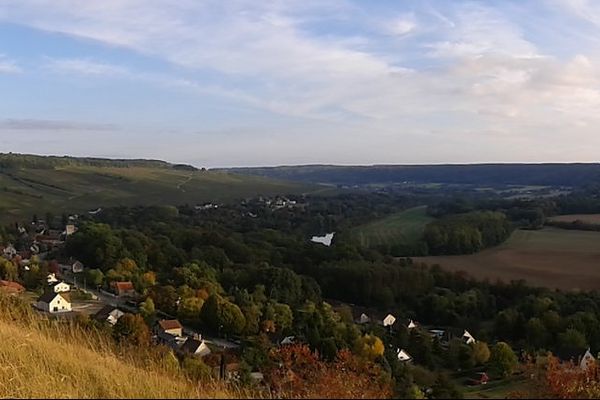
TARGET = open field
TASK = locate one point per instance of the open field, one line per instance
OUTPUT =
(554, 258)
(24, 191)
(405, 227)
(593, 219)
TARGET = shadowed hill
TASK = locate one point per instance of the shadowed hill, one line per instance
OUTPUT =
(35, 184)
(482, 174)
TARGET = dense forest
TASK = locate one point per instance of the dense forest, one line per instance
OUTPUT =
(481, 174)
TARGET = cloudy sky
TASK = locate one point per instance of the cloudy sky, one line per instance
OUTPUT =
(232, 83)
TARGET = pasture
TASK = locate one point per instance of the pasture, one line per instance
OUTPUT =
(554, 258)
(405, 227)
(592, 219)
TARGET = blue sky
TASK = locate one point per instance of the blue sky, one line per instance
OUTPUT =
(232, 83)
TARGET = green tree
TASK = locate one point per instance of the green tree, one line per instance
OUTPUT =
(481, 352)
(503, 360)
(196, 369)
(132, 329)
(147, 309)
(189, 308)
(94, 277)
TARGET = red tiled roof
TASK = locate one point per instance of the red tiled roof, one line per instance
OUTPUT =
(168, 324)
(123, 286)
(12, 285)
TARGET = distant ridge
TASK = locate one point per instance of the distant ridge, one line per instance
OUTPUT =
(15, 160)
(572, 174)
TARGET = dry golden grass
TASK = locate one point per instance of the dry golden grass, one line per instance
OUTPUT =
(42, 358)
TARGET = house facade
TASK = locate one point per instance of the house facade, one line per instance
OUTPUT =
(61, 287)
(54, 302)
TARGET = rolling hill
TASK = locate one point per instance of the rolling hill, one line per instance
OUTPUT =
(37, 184)
(478, 174)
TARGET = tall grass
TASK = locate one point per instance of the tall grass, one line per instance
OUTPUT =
(43, 357)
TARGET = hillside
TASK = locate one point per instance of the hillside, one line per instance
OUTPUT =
(479, 174)
(34, 184)
(43, 359)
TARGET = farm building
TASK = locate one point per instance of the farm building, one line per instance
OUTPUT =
(54, 302)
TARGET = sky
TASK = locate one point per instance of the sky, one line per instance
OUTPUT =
(253, 83)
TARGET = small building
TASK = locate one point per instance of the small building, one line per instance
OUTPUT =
(403, 356)
(70, 229)
(9, 252)
(61, 287)
(411, 325)
(195, 347)
(170, 326)
(363, 319)
(481, 378)
(389, 320)
(123, 289)
(77, 267)
(54, 302)
(52, 279)
(288, 340)
(10, 287)
(109, 314)
(587, 360)
(468, 338)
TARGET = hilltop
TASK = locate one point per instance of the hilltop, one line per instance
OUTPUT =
(38, 184)
(44, 358)
(476, 174)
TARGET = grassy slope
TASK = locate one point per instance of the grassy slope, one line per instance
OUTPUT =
(25, 191)
(556, 258)
(403, 227)
(585, 218)
(42, 359)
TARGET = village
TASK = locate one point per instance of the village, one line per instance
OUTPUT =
(66, 293)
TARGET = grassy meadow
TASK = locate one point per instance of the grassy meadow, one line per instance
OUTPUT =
(24, 191)
(405, 228)
(550, 257)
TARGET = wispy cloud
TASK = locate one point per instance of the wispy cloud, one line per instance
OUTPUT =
(8, 66)
(85, 67)
(52, 125)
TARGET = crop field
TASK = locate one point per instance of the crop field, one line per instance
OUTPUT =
(404, 227)
(593, 219)
(555, 258)
(25, 191)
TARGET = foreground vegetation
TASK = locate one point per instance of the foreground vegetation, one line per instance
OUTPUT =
(44, 358)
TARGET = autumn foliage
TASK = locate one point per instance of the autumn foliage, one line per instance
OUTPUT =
(298, 372)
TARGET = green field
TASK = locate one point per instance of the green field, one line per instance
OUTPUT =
(405, 227)
(555, 258)
(27, 190)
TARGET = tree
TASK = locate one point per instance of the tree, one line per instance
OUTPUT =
(502, 359)
(209, 314)
(132, 329)
(147, 309)
(195, 368)
(231, 318)
(94, 277)
(572, 342)
(481, 352)
(189, 308)
(369, 347)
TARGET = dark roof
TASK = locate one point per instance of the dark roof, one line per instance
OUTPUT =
(50, 295)
(191, 345)
(168, 324)
(104, 312)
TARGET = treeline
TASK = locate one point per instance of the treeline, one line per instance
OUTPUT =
(466, 233)
(12, 160)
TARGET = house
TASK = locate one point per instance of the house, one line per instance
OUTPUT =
(123, 289)
(9, 252)
(363, 319)
(35, 248)
(10, 287)
(70, 229)
(61, 287)
(77, 267)
(411, 325)
(288, 340)
(468, 338)
(51, 279)
(587, 360)
(389, 320)
(403, 356)
(195, 347)
(169, 326)
(54, 302)
(109, 314)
